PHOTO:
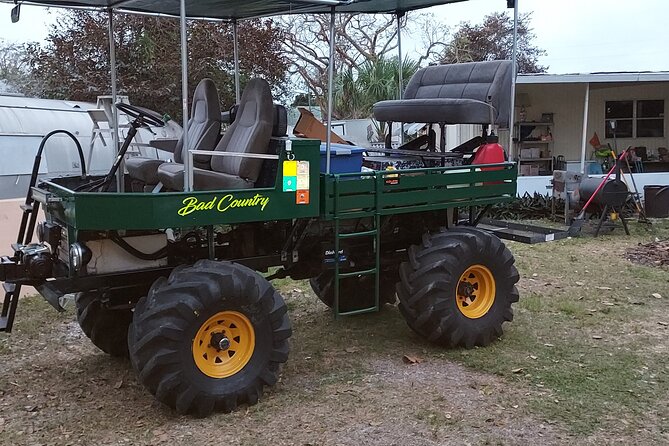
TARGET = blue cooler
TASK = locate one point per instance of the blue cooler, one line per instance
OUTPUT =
(343, 158)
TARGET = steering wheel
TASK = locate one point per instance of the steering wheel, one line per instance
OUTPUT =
(141, 114)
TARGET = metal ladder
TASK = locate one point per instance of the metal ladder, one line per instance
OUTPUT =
(374, 232)
(13, 291)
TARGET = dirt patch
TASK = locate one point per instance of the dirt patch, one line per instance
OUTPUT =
(651, 254)
(57, 389)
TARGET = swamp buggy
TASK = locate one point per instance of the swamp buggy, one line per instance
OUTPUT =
(172, 278)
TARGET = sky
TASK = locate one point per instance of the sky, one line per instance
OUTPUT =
(579, 36)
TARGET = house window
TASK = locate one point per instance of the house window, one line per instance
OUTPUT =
(635, 119)
(649, 119)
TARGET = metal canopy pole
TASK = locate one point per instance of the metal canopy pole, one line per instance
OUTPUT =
(584, 141)
(236, 52)
(330, 88)
(188, 168)
(513, 75)
(400, 66)
(114, 124)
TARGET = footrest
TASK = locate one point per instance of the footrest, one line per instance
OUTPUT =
(3, 323)
(364, 272)
(360, 311)
(27, 207)
(9, 287)
(358, 234)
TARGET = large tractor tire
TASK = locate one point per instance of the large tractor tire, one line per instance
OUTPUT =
(209, 337)
(107, 328)
(354, 292)
(457, 288)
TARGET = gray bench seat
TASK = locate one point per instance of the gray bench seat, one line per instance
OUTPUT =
(453, 94)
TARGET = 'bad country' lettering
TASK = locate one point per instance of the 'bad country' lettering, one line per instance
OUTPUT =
(225, 203)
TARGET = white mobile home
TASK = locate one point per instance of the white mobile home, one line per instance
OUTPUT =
(558, 115)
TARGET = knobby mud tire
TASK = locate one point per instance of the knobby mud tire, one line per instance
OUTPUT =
(106, 328)
(429, 281)
(167, 322)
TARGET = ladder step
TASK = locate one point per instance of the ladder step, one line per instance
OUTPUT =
(358, 234)
(3, 323)
(364, 272)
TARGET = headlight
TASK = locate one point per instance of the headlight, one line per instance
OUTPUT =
(79, 256)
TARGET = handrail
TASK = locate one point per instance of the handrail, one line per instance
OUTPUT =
(471, 167)
(233, 154)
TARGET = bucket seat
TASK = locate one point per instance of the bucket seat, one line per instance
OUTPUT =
(204, 130)
(249, 133)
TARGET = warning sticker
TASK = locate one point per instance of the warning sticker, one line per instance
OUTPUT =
(289, 176)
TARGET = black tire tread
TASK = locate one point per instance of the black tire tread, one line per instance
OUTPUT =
(428, 280)
(106, 328)
(162, 320)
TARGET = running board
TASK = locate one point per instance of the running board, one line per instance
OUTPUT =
(522, 233)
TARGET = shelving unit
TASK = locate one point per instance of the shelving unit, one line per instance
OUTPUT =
(539, 163)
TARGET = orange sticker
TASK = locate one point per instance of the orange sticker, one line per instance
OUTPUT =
(302, 197)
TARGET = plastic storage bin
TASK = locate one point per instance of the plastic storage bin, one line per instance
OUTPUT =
(343, 158)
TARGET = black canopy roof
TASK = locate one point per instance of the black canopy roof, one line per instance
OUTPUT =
(242, 9)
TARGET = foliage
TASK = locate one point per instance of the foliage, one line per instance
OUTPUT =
(375, 80)
(493, 40)
(360, 39)
(527, 207)
(74, 61)
(14, 70)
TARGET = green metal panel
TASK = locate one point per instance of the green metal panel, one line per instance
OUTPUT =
(103, 211)
(415, 190)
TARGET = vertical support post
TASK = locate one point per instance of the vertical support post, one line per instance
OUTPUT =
(114, 124)
(328, 140)
(514, 75)
(188, 164)
(235, 42)
(584, 142)
(400, 66)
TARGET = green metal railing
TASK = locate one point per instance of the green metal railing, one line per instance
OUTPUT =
(375, 194)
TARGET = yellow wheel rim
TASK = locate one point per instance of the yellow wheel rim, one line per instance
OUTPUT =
(475, 291)
(224, 344)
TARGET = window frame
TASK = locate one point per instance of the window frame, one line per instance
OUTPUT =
(634, 119)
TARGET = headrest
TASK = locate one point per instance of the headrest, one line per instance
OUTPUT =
(280, 125)
(206, 105)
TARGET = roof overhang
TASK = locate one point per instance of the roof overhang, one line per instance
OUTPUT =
(243, 9)
(594, 78)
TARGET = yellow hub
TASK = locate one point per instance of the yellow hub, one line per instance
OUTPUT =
(224, 344)
(475, 291)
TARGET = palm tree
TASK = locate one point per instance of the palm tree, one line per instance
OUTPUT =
(375, 80)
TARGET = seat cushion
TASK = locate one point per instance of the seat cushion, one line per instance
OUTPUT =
(450, 111)
(172, 177)
(143, 169)
(444, 88)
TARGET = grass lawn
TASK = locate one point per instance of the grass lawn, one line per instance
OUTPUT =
(584, 362)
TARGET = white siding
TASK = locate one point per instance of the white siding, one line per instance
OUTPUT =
(566, 102)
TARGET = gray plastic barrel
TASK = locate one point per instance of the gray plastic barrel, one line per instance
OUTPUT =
(656, 200)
